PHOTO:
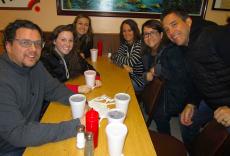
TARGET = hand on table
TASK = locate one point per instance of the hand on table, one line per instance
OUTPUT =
(222, 115)
(152, 70)
(187, 114)
(82, 119)
(98, 83)
(128, 68)
(84, 89)
(82, 55)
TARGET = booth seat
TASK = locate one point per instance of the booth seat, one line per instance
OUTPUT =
(1, 43)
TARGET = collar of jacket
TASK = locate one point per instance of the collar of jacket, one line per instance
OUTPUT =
(198, 24)
(17, 68)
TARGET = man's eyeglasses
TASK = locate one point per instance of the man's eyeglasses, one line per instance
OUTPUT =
(152, 33)
(28, 43)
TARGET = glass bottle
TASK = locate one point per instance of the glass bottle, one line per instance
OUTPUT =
(89, 145)
(80, 137)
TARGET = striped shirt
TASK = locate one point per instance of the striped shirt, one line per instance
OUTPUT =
(131, 57)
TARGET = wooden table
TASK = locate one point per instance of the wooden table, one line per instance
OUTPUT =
(114, 79)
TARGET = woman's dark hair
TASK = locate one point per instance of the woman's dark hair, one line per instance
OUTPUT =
(228, 21)
(90, 30)
(60, 29)
(154, 24)
(86, 39)
(134, 28)
(181, 12)
(73, 58)
(10, 30)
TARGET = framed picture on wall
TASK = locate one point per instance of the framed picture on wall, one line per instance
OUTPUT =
(221, 5)
(17, 4)
(128, 8)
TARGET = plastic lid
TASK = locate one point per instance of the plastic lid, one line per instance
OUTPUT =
(92, 114)
(89, 136)
(80, 128)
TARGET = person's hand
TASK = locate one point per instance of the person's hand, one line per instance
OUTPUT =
(152, 70)
(82, 120)
(98, 83)
(222, 115)
(84, 89)
(128, 68)
(187, 114)
(149, 76)
(82, 55)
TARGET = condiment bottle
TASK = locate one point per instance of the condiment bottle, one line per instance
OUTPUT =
(99, 47)
(89, 147)
(80, 137)
(92, 124)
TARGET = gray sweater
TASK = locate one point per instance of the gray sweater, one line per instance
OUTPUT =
(22, 92)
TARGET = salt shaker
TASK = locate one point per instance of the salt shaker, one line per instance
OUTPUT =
(89, 145)
(80, 137)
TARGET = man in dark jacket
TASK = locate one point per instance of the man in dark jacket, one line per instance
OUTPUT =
(206, 48)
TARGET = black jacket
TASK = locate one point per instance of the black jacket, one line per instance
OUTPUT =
(169, 65)
(208, 59)
(84, 44)
(75, 63)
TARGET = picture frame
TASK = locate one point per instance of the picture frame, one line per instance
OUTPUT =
(126, 8)
(223, 5)
(17, 4)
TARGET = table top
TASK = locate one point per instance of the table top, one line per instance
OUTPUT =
(114, 80)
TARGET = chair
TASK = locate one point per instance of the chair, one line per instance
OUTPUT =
(150, 97)
(213, 140)
(166, 145)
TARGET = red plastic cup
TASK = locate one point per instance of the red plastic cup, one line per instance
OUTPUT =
(92, 119)
(100, 47)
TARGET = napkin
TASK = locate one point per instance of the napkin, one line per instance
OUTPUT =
(100, 105)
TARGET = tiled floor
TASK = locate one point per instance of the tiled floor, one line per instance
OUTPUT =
(175, 128)
(174, 123)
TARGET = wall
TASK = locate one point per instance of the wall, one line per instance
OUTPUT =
(47, 18)
(216, 15)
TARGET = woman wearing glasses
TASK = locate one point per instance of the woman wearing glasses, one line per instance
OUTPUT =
(164, 60)
(62, 61)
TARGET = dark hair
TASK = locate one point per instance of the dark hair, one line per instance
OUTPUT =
(10, 29)
(154, 24)
(228, 20)
(60, 29)
(134, 28)
(182, 13)
(90, 30)
(86, 39)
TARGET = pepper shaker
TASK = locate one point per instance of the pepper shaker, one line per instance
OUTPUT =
(89, 145)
